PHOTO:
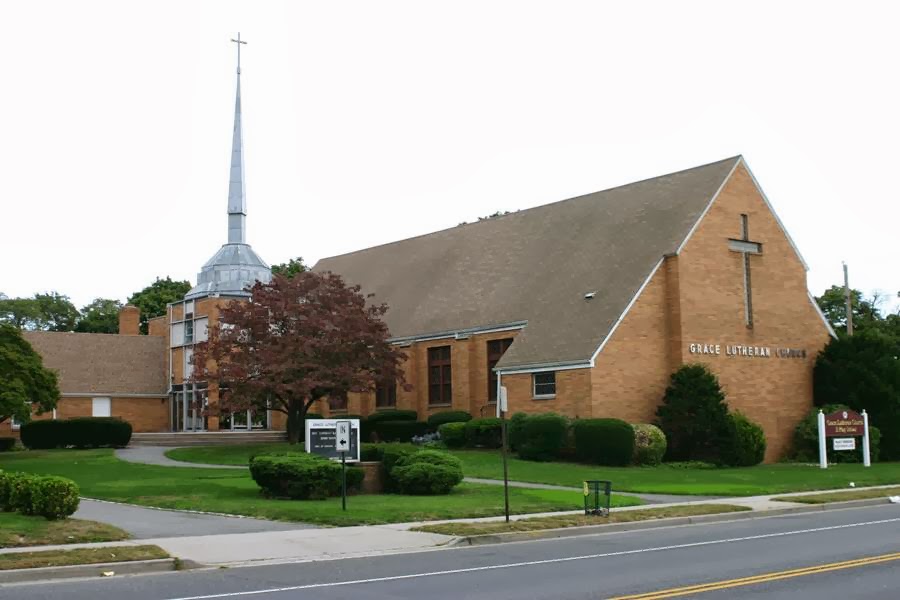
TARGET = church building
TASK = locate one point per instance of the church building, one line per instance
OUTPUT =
(585, 307)
(582, 307)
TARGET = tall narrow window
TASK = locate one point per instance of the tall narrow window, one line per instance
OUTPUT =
(189, 329)
(544, 384)
(440, 389)
(495, 350)
(386, 394)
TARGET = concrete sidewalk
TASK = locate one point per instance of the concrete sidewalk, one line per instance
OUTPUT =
(347, 542)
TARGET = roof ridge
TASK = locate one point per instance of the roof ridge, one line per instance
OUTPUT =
(524, 210)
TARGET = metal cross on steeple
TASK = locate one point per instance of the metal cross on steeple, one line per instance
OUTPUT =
(239, 41)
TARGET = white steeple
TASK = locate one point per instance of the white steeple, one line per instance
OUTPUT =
(237, 197)
(235, 267)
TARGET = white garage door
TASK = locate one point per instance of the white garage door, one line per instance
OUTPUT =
(101, 407)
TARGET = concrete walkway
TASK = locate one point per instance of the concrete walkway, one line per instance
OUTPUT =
(143, 523)
(156, 455)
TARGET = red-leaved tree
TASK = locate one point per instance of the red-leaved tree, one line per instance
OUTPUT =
(296, 341)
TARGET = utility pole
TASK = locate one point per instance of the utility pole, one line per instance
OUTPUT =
(849, 301)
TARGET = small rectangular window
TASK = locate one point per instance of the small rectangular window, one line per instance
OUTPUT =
(386, 394)
(337, 403)
(544, 384)
(440, 386)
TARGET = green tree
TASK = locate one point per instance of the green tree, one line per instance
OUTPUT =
(100, 316)
(694, 416)
(834, 305)
(290, 268)
(863, 372)
(50, 311)
(25, 384)
(152, 300)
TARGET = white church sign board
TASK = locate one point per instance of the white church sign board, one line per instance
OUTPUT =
(843, 423)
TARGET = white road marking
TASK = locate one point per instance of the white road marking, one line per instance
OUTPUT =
(530, 563)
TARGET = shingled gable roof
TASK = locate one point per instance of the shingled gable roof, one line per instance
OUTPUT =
(536, 266)
(97, 363)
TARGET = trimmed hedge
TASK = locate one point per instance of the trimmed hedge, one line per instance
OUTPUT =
(78, 432)
(48, 496)
(21, 490)
(604, 441)
(514, 430)
(7, 444)
(453, 434)
(398, 431)
(448, 416)
(649, 445)
(747, 442)
(427, 472)
(392, 415)
(484, 433)
(301, 476)
(543, 436)
(54, 497)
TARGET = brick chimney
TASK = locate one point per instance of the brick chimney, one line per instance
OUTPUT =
(130, 320)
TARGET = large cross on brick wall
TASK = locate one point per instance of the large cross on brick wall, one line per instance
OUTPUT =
(746, 248)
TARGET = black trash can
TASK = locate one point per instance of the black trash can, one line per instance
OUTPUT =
(597, 496)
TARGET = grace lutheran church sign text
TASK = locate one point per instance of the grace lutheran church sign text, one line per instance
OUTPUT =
(749, 351)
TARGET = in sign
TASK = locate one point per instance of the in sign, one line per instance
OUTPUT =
(845, 443)
(342, 439)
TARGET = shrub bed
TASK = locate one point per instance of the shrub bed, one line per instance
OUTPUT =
(453, 434)
(484, 433)
(427, 473)
(301, 476)
(649, 445)
(7, 444)
(448, 416)
(48, 496)
(542, 437)
(398, 431)
(78, 432)
(604, 441)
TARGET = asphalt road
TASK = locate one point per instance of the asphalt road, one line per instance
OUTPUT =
(778, 553)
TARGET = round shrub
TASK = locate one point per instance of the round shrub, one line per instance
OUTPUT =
(649, 444)
(7, 444)
(747, 442)
(54, 497)
(543, 436)
(428, 472)
(300, 476)
(21, 492)
(453, 434)
(806, 440)
(398, 431)
(484, 433)
(448, 416)
(5, 489)
(604, 441)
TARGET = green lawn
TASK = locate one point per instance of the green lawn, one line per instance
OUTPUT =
(747, 481)
(81, 556)
(21, 530)
(842, 496)
(225, 455)
(101, 475)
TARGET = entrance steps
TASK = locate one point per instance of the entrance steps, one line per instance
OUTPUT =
(207, 438)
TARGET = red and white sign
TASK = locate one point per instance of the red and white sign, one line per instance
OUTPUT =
(844, 423)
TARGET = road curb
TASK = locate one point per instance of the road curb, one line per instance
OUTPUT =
(133, 567)
(525, 536)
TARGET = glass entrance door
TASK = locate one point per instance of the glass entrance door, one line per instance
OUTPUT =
(188, 408)
(244, 421)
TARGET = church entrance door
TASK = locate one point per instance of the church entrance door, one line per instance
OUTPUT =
(244, 421)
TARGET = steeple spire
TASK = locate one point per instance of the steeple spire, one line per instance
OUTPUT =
(237, 197)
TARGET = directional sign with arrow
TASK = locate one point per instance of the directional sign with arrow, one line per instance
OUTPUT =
(342, 439)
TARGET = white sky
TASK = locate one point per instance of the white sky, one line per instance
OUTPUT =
(367, 122)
